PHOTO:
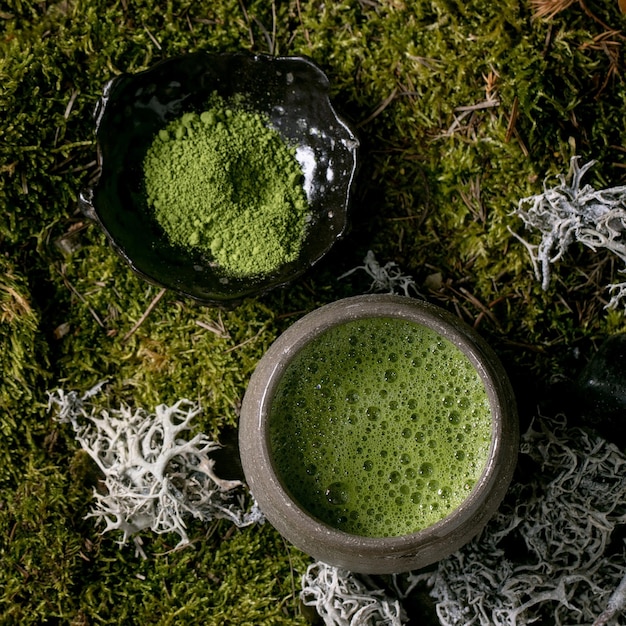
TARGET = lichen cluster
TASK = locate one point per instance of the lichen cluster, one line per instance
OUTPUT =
(570, 213)
(462, 109)
(342, 599)
(152, 477)
(387, 278)
(554, 552)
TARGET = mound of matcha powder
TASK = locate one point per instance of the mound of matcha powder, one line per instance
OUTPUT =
(227, 184)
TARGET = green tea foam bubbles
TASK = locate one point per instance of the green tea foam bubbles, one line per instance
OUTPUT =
(380, 427)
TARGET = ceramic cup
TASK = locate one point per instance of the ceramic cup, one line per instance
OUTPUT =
(376, 554)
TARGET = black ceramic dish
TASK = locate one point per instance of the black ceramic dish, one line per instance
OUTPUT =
(291, 91)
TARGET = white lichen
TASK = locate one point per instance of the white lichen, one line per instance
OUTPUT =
(342, 599)
(152, 476)
(554, 553)
(571, 213)
(386, 278)
(615, 605)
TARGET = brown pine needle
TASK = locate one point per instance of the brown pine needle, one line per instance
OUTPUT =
(547, 9)
(144, 315)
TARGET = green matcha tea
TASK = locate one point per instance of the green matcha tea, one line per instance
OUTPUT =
(380, 427)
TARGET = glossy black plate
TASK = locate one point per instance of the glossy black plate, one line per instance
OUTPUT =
(291, 91)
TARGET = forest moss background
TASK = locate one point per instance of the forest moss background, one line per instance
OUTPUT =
(462, 108)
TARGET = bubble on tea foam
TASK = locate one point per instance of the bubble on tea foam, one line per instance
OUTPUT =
(352, 396)
(391, 376)
(373, 412)
(426, 469)
(337, 493)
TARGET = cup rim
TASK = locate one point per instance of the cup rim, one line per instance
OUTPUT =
(319, 538)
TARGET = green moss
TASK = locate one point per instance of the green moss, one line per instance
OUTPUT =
(24, 368)
(440, 177)
(219, 581)
(42, 546)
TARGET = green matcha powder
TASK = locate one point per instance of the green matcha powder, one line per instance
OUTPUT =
(225, 183)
